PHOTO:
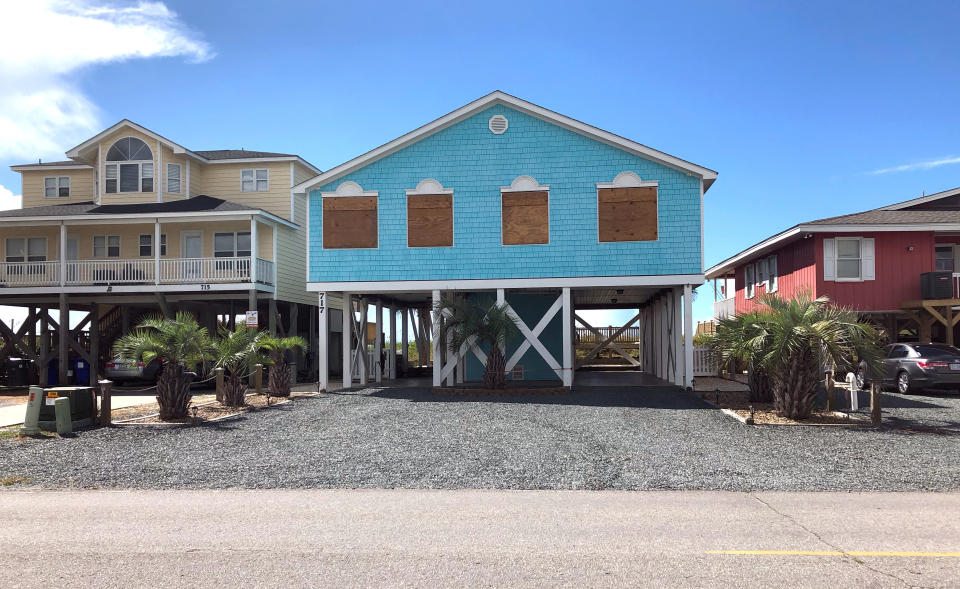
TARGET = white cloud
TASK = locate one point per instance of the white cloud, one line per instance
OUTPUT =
(45, 43)
(945, 161)
(9, 200)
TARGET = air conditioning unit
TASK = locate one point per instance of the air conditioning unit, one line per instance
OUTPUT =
(936, 285)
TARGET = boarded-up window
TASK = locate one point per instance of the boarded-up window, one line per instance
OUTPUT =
(349, 222)
(627, 214)
(430, 220)
(526, 218)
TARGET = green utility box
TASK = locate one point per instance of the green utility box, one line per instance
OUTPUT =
(83, 403)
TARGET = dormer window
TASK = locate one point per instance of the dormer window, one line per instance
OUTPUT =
(129, 167)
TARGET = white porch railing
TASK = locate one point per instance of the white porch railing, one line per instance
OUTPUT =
(264, 271)
(29, 273)
(956, 285)
(703, 362)
(724, 308)
(116, 271)
(110, 271)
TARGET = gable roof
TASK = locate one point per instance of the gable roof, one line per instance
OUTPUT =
(209, 156)
(498, 97)
(893, 217)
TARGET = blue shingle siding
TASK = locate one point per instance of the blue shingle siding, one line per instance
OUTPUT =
(475, 163)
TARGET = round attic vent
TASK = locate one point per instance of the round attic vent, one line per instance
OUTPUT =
(498, 124)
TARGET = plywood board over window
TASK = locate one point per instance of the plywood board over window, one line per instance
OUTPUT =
(349, 222)
(430, 220)
(627, 214)
(526, 218)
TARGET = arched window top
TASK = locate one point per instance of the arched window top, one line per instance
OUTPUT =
(129, 149)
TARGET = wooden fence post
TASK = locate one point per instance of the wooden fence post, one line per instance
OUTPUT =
(258, 380)
(875, 415)
(829, 386)
(219, 373)
(106, 419)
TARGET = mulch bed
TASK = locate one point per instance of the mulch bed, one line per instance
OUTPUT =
(764, 414)
(206, 410)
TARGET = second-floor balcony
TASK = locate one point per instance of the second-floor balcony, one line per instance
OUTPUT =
(137, 271)
(724, 308)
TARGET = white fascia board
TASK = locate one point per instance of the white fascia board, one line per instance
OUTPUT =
(921, 200)
(529, 108)
(147, 217)
(733, 262)
(666, 280)
(177, 148)
(33, 167)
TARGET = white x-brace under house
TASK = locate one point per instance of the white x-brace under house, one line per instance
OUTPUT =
(664, 320)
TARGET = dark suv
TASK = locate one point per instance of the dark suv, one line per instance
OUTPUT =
(911, 368)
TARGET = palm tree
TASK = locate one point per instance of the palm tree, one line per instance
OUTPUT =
(740, 338)
(278, 347)
(792, 339)
(179, 343)
(237, 352)
(491, 327)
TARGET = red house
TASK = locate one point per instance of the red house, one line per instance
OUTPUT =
(871, 261)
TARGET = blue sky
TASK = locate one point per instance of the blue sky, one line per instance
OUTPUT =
(796, 106)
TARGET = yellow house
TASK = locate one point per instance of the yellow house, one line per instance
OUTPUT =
(133, 223)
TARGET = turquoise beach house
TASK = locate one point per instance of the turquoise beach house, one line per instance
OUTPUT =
(505, 200)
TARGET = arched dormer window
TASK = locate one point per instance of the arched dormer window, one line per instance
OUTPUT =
(129, 166)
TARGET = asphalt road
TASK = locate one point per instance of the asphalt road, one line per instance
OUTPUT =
(290, 538)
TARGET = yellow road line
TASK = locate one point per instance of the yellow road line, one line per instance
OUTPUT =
(838, 553)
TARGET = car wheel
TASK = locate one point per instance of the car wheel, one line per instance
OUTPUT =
(903, 383)
(861, 378)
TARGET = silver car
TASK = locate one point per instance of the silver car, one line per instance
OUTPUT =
(121, 372)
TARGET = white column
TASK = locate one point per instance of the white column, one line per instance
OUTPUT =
(364, 369)
(347, 333)
(437, 361)
(323, 329)
(63, 258)
(687, 336)
(156, 251)
(404, 352)
(677, 337)
(158, 173)
(274, 277)
(567, 338)
(392, 352)
(501, 296)
(253, 251)
(378, 344)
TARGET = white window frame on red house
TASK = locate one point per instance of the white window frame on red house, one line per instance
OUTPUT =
(773, 282)
(749, 281)
(866, 258)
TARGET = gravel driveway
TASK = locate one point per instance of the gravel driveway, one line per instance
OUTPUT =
(594, 438)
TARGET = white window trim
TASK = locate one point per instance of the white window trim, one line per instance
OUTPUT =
(429, 186)
(628, 179)
(59, 185)
(26, 248)
(255, 170)
(106, 247)
(166, 178)
(347, 189)
(163, 244)
(526, 184)
(837, 258)
(235, 234)
(139, 164)
(773, 274)
(749, 281)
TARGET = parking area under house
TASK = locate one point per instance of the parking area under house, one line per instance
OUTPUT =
(547, 316)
